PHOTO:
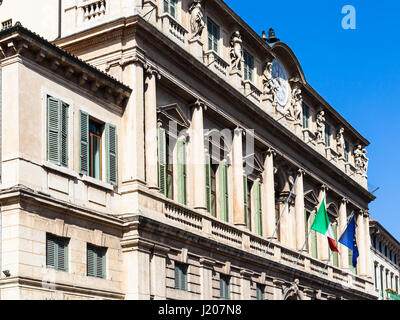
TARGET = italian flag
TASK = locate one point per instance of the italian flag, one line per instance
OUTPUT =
(322, 225)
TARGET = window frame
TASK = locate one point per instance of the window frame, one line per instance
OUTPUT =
(260, 291)
(181, 269)
(100, 252)
(248, 72)
(306, 116)
(168, 4)
(224, 283)
(213, 35)
(91, 154)
(57, 240)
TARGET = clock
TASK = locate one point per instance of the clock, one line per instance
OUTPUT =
(280, 79)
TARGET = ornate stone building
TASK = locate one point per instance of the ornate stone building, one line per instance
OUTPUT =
(164, 150)
(385, 261)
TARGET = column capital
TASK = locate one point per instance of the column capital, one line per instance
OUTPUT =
(239, 131)
(301, 172)
(151, 71)
(199, 104)
(324, 187)
(344, 200)
(271, 152)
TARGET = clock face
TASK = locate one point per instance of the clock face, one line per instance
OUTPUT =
(281, 81)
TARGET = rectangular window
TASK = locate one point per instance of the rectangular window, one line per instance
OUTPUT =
(346, 151)
(181, 276)
(375, 275)
(314, 247)
(306, 115)
(181, 154)
(247, 201)
(170, 7)
(95, 133)
(213, 190)
(96, 261)
(57, 252)
(6, 24)
(327, 135)
(260, 291)
(224, 204)
(248, 66)
(165, 165)
(306, 228)
(224, 287)
(257, 208)
(57, 131)
(335, 254)
(213, 35)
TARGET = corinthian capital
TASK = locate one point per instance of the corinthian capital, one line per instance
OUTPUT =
(151, 71)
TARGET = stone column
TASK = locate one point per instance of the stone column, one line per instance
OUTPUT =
(361, 244)
(268, 195)
(368, 261)
(237, 168)
(342, 225)
(299, 210)
(322, 240)
(197, 156)
(158, 273)
(150, 115)
(245, 285)
(206, 270)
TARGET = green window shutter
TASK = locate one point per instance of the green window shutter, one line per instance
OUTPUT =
(62, 254)
(314, 247)
(246, 205)
(91, 257)
(335, 254)
(306, 217)
(100, 263)
(181, 153)
(224, 191)
(111, 154)
(50, 252)
(96, 261)
(162, 161)
(84, 143)
(208, 181)
(53, 130)
(257, 207)
(64, 134)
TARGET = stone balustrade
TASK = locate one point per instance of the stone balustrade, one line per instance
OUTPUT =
(92, 9)
(216, 63)
(173, 28)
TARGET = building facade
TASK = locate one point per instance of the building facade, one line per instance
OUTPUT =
(164, 150)
(385, 261)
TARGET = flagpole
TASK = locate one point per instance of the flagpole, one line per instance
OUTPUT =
(279, 220)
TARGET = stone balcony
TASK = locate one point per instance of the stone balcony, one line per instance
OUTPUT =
(228, 234)
(174, 29)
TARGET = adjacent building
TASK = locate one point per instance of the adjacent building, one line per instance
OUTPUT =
(164, 150)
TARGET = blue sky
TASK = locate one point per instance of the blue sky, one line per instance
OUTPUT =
(356, 71)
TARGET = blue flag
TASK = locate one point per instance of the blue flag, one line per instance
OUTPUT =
(349, 240)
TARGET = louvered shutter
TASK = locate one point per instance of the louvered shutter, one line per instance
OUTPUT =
(100, 263)
(62, 254)
(64, 135)
(224, 191)
(84, 143)
(91, 258)
(246, 205)
(177, 277)
(181, 171)
(50, 252)
(257, 207)
(208, 181)
(53, 130)
(314, 239)
(335, 254)
(111, 154)
(162, 161)
(306, 217)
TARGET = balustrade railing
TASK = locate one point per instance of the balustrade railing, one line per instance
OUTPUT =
(92, 9)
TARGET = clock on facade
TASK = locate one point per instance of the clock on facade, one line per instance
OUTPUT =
(281, 82)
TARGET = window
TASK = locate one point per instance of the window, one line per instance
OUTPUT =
(375, 276)
(170, 7)
(181, 152)
(213, 35)
(165, 165)
(223, 186)
(224, 287)
(6, 24)
(181, 276)
(90, 149)
(306, 116)
(327, 135)
(96, 261)
(346, 151)
(57, 252)
(211, 193)
(95, 133)
(257, 207)
(335, 254)
(57, 131)
(309, 217)
(260, 291)
(247, 201)
(248, 66)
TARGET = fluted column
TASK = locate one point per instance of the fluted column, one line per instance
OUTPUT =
(361, 244)
(268, 195)
(342, 225)
(299, 210)
(367, 235)
(322, 240)
(197, 156)
(150, 102)
(237, 167)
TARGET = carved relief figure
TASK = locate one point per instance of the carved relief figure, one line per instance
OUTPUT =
(236, 51)
(297, 104)
(319, 135)
(360, 159)
(340, 142)
(269, 83)
(196, 19)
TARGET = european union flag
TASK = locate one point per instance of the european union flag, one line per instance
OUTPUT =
(349, 240)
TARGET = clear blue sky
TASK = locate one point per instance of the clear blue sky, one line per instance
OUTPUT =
(356, 71)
